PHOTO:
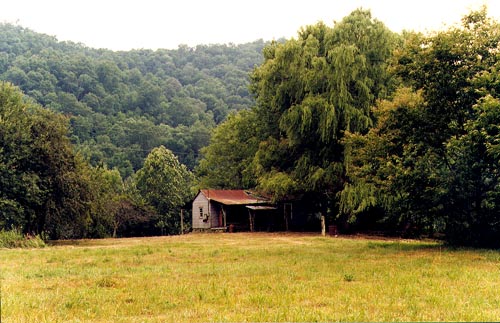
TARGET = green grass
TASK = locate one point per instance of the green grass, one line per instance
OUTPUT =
(248, 278)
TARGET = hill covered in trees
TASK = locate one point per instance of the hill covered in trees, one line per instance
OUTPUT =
(121, 105)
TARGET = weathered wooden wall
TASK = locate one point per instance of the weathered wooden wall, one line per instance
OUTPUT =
(200, 202)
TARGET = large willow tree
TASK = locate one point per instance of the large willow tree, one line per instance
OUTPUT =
(309, 91)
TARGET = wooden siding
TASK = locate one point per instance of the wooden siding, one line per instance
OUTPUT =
(198, 221)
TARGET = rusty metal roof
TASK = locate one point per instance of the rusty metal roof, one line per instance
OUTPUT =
(234, 197)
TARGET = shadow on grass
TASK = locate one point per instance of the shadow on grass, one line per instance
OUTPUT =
(79, 242)
(406, 246)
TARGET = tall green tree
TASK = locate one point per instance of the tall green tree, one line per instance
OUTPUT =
(443, 65)
(43, 184)
(227, 160)
(310, 91)
(390, 167)
(107, 190)
(426, 162)
(165, 184)
(20, 189)
(473, 199)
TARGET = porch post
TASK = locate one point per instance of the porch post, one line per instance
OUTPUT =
(250, 219)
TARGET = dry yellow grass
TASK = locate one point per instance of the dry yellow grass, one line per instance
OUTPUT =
(249, 278)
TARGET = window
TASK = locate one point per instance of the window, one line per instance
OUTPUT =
(201, 212)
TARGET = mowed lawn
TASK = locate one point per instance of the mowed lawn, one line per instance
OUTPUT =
(249, 277)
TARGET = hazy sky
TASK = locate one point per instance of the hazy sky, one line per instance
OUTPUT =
(128, 24)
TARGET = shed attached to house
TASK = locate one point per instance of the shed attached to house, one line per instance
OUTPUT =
(240, 209)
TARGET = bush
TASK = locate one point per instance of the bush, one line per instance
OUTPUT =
(15, 239)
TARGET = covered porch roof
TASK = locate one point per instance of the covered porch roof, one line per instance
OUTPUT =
(234, 197)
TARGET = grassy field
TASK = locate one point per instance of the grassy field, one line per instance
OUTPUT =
(248, 277)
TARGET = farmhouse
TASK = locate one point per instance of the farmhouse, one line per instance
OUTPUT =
(235, 210)
(244, 210)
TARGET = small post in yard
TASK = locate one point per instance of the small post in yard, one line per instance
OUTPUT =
(323, 226)
(182, 221)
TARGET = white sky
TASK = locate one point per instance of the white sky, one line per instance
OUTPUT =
(153, 24)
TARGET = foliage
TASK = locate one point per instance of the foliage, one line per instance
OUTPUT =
(43, 188)
(406, 138)
(429, 161)
(310, 91)
(46, 188)
(165, 184)
(364, 125)
(474, 180)
(123, 104)
(120, 106)
(226, 160)
(107, 188)
(392, 168)
(444, 65)
(132, 218)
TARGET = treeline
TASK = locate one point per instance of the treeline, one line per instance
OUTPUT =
(48, 189)
(121, 105)
(375, 130)
(96, 143)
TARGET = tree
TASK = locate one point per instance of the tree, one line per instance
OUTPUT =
(428, 162)
(166, 185)
(44, 188)
(390, 167)
(19, 188)
(310, 91)
(107, 189)
(226, 160)
(65, 212)
(443, 66)
(473, 198)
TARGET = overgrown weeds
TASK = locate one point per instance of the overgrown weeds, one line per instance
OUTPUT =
(15, 239)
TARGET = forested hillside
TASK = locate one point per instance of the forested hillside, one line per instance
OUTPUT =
(123, 104)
